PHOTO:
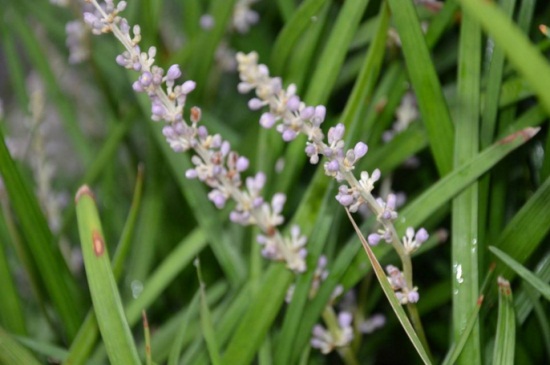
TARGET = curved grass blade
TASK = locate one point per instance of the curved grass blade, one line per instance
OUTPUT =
(111, 319)
(87, 334)
(177, 345)
(12, 353)
(447, 187)
(291, 33)
(297, 307)
(207, 325)
(53, 352)
(388, 291)
(525, 57)
(254, 325)
(532, 279)
(431, 102)
(147, 336)
(11, 310)
(456, 348)
(505, 342)
(534, 220)
(58, 281)
(465, 206)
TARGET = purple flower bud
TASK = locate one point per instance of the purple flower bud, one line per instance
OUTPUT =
(244, 87)
(168, 131)
(267, 120)
(288, 135)
(136, 66)
(373, 239)
(311, 149)
(225, 148)
(390, 204)
(293, 103)
(413, 296)
(345, 319)
(179, 128)
(146, 78)
(319, 115)
(202, 132)
(188, 86)
(421, 236)
(158, 109)
(322, 262)
(336, 133)
(332, 166)
(257, 202)
(121, 6)
(375, 176)
(217, 198)
(278, 201)
(173, 73)
(90, 18)
(345, 199)
(307, 112)
(137, 87)
(318, 331)
(191, 174)
(360, 150)
(255, 104)
(121, 60)
(242, 164)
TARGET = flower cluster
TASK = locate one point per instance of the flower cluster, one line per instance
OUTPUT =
(406, 113)
(399, 285)
(215, 163)
(291, 116)
(243, 16)
(341, 336)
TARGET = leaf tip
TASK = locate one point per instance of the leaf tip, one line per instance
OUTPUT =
(83, 190)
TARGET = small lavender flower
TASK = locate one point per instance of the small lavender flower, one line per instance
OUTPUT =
(328, 340)
(206, 22)
(76, 41)
(373, 323)
(215, 163)
(406, 113)
(403, 293)
(243, 16)
(412, 240)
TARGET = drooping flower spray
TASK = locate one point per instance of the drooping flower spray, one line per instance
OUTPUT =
(290, 116)
(215, 163)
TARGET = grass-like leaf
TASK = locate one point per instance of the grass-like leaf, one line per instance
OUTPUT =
(207, 325)
(260, 315)
(505, 342)
(59, 283)
(111, 319)
(431, 102)
(537, 283)
(525, 57)
(388, 291)
(12, 353)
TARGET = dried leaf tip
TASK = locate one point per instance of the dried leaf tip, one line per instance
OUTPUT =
(83, 190)
(526, 134)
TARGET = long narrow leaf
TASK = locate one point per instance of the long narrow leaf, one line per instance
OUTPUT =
(388, 291)
(505, 342)
(525, 57)
(57, 279)
(111, 319)
(12, 353)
